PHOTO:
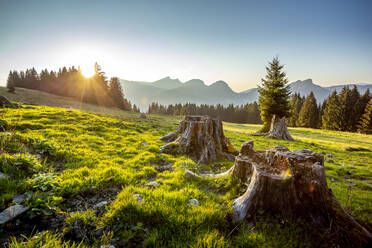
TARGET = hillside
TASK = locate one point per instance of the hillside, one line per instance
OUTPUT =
(171, 91)
(90, 176)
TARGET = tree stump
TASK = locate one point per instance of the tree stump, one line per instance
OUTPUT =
(278, 129)
(292, 183)
(201, 138)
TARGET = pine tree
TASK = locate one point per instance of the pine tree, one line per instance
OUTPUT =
(356, 112)
(308, 116)
(332, 111)
(346, 109)
(274, 94)
(365, 124)
(296, 102)
(10, 84)
(116, 93)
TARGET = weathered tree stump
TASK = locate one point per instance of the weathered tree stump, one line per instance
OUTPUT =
(291, 184)
(278, 129)
(201, 138)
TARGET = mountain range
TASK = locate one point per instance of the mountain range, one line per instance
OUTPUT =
(170, 91)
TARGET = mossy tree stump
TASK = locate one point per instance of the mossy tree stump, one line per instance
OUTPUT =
(201, 138)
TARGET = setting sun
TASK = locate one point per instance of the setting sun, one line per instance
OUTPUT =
(87, 71)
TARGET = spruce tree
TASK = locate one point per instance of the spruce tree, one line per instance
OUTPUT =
(116, 93)
(332, 111)
(10, 84)
(365, 124)
(274, 94)
(346, 109)
(296, 102)
(308, 116)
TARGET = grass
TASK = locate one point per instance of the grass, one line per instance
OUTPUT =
(67, 160)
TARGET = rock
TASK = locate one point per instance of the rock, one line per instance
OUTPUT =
(333, 180)
(3, 176)
(143, 116)
(100, 204)
(4, 102)
(144, 144)
(19, 199)
(194, 203)
(162, 168)
(107, 246)
(138, 197)
(11, 213)
(329, 155)
(153, 184)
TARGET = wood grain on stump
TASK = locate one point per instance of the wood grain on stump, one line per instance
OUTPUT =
(201, 138)
(278, 129)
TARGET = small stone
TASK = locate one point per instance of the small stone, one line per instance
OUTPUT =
(107, 246)
(100, 204)
(138, 197)
(193, 203)
(3, 176)
(333, 180)
(144, 144)
(143, 116)
(12, 212)
(153, 184)
(329, 155)
(19, 199)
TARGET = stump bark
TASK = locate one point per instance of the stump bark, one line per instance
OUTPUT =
(201, 138)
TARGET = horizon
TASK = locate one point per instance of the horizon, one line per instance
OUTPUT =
(233, 42)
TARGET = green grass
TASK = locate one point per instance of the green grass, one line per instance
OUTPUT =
(57, 155)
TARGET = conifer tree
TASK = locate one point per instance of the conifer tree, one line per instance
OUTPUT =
(365, 124)
(274, 94)
(116, 93)
(331, 115)
(10, 84)
(346, 109)
(296, 102)
(308, 116)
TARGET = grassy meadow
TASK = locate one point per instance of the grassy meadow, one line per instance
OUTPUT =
(66, 160)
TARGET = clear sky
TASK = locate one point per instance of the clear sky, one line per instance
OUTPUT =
(328, 41)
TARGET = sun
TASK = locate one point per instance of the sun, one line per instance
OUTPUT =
(87, 71)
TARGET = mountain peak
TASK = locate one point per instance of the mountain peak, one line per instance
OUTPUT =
(308, 81)
(195, 82)
(167, 83)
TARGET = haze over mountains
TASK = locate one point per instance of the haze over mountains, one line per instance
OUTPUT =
(170, 91)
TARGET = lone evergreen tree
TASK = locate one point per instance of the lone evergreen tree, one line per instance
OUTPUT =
(308, 116)
(274, 101)
(274, 94)
(10, 83)
(365, 125)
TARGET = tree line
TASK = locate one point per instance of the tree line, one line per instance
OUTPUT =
(72, 83)
(345, 111)
(248, 113)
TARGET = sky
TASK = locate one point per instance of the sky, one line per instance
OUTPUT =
(328, 41)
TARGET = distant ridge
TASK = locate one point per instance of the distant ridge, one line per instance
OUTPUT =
(171, 91)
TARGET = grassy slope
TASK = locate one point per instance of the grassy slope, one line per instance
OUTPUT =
(74, 154)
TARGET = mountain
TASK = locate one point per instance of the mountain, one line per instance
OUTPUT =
(170, 91)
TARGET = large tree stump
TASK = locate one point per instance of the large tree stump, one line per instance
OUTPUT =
(291, 184)
(278, 129)
(201, 138)
(4, 102)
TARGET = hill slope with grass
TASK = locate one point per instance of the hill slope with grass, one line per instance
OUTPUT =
(95, 176)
